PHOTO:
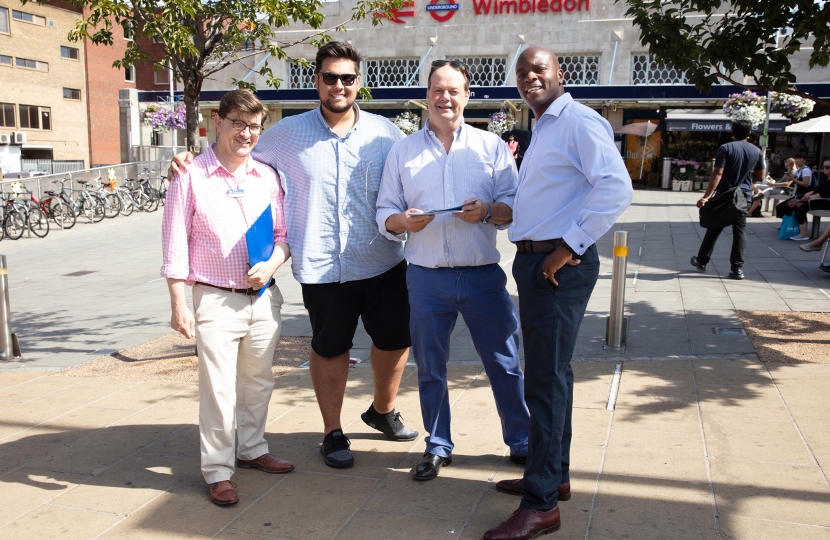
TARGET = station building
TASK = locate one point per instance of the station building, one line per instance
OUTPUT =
(606, 68)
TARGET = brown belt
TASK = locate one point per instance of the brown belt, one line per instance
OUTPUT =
(249, 291)
(541, 246)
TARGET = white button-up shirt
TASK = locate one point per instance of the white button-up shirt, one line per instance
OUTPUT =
(419, 173)
(573, 183)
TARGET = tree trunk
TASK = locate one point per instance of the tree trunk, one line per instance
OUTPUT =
(192, 82)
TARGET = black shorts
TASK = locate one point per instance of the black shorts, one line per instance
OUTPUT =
(381, 301)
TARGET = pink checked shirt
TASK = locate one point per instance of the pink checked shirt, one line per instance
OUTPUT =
(203, 232)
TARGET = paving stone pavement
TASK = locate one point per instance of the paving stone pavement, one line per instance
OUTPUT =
(704, 441)
(67, 320)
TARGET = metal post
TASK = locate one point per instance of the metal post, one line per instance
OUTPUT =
(7, 339)
(616, 327)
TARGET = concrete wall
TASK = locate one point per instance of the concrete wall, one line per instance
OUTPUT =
(68, 135)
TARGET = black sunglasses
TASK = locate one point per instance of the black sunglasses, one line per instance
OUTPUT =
(457, 64)
(332, 78)
(826, 167)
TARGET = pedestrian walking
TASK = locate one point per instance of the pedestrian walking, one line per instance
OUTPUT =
(737, 164)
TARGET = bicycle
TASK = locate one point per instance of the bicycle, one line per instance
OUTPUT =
(34, 218)
(112, 202)
(54, 208)
(13, 221)
(81, 201)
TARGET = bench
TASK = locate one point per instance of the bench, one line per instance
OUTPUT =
(822, 210)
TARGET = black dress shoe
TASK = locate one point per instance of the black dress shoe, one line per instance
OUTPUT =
(517, 459)
(427, 469)
(697, 264)
(736, 274)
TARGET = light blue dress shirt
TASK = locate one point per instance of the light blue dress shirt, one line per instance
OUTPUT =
(573, 184)
(420, 174)
(331, 186)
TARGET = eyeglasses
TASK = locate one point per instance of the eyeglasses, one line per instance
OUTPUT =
(826, 167)
(239, 125)
(332, 78)
(457, 64)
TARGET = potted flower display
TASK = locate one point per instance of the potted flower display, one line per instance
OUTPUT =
(159, 117)
(683, 172)
(793, 107)
(408, 122)
(750, 107)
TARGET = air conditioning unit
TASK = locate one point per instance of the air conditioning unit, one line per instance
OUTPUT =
(5, 138)
(19, 137)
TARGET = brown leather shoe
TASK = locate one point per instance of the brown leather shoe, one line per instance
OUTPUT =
(267, 463)
(223, 493)
(525, 524)
(517, 487)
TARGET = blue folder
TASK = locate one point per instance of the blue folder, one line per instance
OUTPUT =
(260, 240)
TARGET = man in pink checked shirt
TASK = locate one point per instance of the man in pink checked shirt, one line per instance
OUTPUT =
(206, 216)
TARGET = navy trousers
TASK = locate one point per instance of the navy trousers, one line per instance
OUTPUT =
(550, 318)
(436, 297)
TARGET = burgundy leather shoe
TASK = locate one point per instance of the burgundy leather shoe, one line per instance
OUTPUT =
(223, 493)
(525, 524)
(267, 463)
(517, 487)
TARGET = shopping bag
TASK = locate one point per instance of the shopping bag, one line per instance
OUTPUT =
(789, 227)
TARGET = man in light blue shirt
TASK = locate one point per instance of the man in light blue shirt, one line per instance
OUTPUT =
(330, 162)
(572, 187)
(453, 260)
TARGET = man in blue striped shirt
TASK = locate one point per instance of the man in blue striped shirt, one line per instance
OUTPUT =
(453, 260)
(330, 161)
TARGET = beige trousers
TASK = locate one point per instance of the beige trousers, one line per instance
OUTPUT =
(236, 336)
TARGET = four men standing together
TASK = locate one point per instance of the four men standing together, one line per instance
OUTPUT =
(348, 174)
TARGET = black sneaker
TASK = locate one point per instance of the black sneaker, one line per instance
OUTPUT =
(697, 264)
(336, 451)
(825, 267)
(736, 274)
(390, 424)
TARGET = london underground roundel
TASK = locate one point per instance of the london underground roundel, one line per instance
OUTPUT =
(442, 10)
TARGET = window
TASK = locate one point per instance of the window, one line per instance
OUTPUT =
(300, 76)
(34, 117)
(69, 52)
(71, 93)
(646, 70)
(28, 17)
(7, 115)
(5, 60)
(485, 70)
(128, 33)
(28, 63)
(4, 20)
(129, 73)
(581, 69)
(391, 72)
(161, 76)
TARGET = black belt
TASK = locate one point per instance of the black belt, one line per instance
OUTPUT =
(249, 291)
(541, 246)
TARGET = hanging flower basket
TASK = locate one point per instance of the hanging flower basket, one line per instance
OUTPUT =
(501, 122)
(750, 107)
(746, 107)
(407, 122)
(793, 107)
(159, 117)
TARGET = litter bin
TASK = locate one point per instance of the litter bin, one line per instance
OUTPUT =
(666, 182)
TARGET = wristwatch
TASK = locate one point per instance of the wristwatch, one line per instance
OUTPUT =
(489, 214)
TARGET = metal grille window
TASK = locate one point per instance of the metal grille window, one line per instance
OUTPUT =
(300, 76)
(580, 69)
(646, 70)
(7, 114)
(485, 70)
(391, 72)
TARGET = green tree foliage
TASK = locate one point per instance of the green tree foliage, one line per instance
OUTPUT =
(714, 40)
(202, 37)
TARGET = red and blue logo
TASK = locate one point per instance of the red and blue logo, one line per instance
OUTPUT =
(442, 10)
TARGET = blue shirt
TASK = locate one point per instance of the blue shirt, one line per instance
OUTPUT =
(331, 186)
(573, 183)
(419, 173)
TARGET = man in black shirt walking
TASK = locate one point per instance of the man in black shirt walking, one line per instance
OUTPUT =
(733, 162)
